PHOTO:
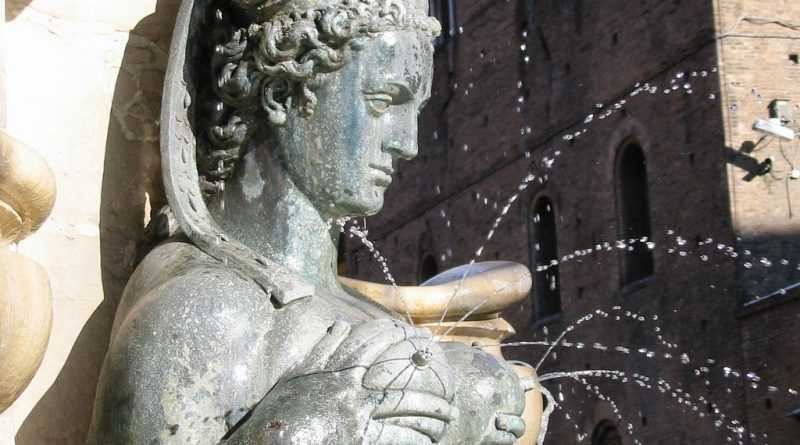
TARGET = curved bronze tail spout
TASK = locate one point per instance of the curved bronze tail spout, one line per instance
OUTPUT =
(27, 190)
(27, 195)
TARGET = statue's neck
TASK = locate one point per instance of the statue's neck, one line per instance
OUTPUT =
(265, 211)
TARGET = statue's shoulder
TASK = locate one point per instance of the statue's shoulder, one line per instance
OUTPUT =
(177, 272)
(199, 334)
(176, 260)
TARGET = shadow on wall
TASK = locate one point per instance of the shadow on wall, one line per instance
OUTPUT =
(744, 159)
(769, 274)
(131, 191)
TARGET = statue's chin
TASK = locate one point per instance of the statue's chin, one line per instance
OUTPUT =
(361, 206)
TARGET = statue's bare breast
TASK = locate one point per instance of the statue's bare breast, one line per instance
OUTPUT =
(197, 346)
(209, 343)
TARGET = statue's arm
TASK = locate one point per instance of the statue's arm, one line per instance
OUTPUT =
(194, 355)
(185, 362)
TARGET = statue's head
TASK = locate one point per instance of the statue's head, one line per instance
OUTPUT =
(331, 88)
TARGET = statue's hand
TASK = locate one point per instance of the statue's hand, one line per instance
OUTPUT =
(489, 395)
(355, 387)
(410, 373)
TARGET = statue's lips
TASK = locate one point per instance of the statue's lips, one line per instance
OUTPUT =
(383, 175)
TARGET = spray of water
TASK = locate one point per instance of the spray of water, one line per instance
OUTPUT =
(681, 82)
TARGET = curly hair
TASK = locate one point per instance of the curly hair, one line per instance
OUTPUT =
(271, 64)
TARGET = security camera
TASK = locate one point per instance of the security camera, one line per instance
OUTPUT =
(774, 127)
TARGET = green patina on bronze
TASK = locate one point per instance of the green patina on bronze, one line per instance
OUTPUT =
(280, 119)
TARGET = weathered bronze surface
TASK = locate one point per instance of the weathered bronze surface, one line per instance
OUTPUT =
(26, 315)
(27, 195)
(463, 305)
(482, 290)
(27, 190)
(282, 118)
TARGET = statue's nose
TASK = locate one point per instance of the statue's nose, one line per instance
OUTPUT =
(402, 140)
(404, 149)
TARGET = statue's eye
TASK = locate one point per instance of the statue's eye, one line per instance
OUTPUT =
(379, 102)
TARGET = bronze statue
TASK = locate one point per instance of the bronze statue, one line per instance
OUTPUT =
(280, 118)
(27, 196)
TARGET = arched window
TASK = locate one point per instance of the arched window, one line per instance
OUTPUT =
(634, 213)
(606, 434)
(428, 269)
(544, 259)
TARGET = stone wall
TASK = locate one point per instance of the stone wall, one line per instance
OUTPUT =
(84, 89)
(758, 51)
(760, 65)
(496, 116)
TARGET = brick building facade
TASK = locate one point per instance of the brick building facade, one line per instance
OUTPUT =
(544, 88)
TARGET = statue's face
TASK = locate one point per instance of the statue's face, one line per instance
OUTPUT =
(343, 156)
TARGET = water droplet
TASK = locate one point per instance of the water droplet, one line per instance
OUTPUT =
(753, 377)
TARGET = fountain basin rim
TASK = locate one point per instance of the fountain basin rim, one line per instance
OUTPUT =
(484, 292)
